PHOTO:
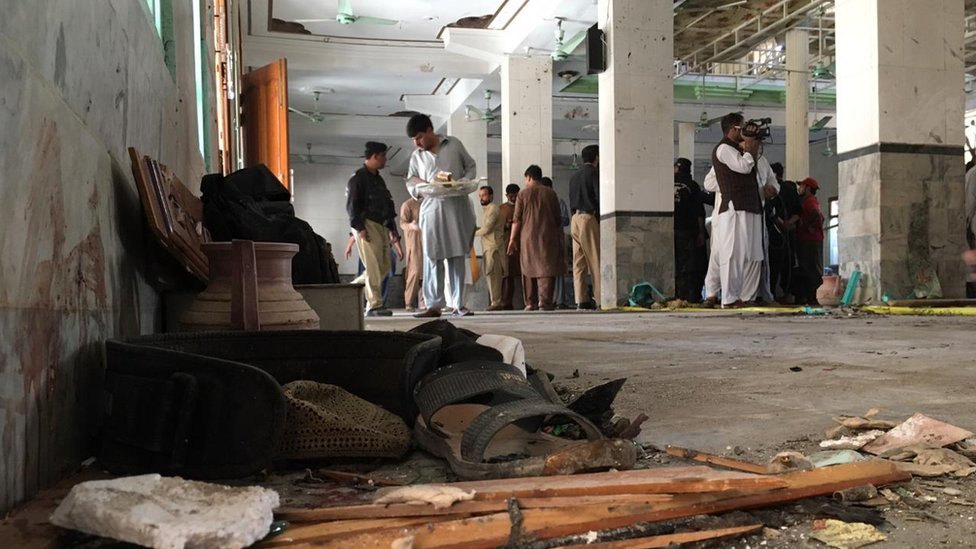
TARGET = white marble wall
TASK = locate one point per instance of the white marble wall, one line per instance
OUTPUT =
(79, 82)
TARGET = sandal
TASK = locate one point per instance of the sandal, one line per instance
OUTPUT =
(485, 419)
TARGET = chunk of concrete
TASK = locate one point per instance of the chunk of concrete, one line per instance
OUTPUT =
(169, 513)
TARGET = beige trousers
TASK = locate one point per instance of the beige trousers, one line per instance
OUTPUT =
(586, 255)
(495, 262)
(375, 255)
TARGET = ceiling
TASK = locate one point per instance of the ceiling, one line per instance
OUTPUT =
(371, 71)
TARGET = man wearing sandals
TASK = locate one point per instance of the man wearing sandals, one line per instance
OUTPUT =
(372, 215)
(447, 223)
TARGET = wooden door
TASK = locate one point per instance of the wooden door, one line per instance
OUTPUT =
(265, 118)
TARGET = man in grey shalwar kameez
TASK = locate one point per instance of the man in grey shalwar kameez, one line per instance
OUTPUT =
(447, 223)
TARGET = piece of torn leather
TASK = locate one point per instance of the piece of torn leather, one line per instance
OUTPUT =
(847, 535)
(441, 497)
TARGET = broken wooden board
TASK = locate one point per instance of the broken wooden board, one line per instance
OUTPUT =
(465, 507)
(712, 459)
(330, 530)
(669, 540)
(660, 480)
(917, 430)
(495, 530)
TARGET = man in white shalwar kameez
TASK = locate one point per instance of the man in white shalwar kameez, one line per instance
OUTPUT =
(737, 235)
(447, 223)
(768, 187)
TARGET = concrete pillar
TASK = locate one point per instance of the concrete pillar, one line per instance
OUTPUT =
(797, 105)
(636, 147)
(900, 106)
(686, 143)
(474, 135)
(526, 116)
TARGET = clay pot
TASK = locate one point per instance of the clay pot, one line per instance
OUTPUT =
(831, 291)
(249, 289)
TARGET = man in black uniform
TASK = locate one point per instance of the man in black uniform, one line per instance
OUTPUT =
(782, 217)
(372, 216)
(689, 234)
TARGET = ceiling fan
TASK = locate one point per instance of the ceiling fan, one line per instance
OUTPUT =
(704, 122)
(315, 115)
(345, 16)
(488, 115)
(564, 48)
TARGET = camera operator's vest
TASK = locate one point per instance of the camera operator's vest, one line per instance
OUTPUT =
(740, 188)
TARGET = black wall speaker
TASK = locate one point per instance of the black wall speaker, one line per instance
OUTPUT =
(596, 51)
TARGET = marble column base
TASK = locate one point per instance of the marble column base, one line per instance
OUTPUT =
(635, 247)
(901, 216)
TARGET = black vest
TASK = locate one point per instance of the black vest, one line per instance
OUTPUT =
(739, 188)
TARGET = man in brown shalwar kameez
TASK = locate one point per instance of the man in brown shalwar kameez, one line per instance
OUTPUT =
(537, 235)
(413, 266)
(512, 272)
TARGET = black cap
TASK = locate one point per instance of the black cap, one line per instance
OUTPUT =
(374, 147)
(683, 164)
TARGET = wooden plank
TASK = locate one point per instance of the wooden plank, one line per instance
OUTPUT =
(712, 459)
(465, 507)
(338, 529)
(651, 542)
(660, 480)
(494, 530)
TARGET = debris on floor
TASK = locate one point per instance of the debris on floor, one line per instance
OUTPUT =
(505, 511)
(844, 535)
(168, 513)
(918, 429)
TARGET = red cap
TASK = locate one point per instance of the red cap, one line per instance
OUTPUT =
(811, 183)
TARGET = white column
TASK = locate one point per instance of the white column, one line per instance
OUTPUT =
(900, 109)
(636, 147)
(686, 143)
(474, 135)
(526, 116)
(797, 105)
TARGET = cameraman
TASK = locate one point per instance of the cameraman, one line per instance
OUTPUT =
(738, 219)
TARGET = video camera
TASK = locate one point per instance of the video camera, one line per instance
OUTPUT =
(757, 128)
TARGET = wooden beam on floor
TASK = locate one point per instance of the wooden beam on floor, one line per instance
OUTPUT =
(652, 542)
(720, 461)
(494, 530)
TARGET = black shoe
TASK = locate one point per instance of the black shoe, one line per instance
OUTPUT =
(382, 311)
(429, 313)
(588, 306)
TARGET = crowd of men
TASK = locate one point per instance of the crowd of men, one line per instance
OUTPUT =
(522, 239)
(766, 233)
